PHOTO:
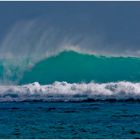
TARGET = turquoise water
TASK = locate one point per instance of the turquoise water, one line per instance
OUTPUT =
(70, 120)
(74, 67)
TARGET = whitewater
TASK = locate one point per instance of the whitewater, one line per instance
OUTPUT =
(71, 76)
(63, 91)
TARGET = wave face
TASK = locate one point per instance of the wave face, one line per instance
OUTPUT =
(63, 91)
(75, 67)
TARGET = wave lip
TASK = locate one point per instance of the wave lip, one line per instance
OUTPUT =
(63, 91)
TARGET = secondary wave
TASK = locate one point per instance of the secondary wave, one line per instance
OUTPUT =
(63, 91)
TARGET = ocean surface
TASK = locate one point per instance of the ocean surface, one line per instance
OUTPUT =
(99, 119)
(70, 95)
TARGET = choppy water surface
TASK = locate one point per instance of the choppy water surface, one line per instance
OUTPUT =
(101, 119)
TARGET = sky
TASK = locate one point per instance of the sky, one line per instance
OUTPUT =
(42, 28)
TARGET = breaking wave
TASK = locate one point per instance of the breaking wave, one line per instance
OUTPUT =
(63, 91)
(72, 67)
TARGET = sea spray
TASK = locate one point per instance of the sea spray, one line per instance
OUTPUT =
(63, 91)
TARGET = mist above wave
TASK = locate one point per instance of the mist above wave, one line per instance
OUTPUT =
(30, 42)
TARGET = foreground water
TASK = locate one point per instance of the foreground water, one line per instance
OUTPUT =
(70, 120)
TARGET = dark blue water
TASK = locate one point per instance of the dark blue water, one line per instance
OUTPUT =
(70, 120)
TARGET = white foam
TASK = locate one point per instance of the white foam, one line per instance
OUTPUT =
(63, 91)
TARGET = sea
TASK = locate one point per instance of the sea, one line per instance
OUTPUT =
(70, 120)
(70, 95)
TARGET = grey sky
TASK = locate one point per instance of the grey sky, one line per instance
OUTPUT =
(40, 28)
